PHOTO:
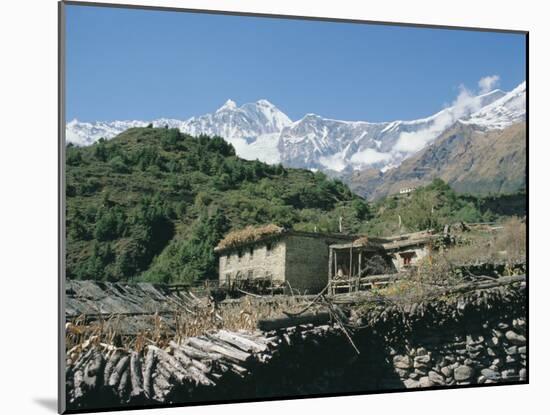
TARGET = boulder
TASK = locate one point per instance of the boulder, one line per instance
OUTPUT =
(515, 338)
(491, 374)
(402, 373)
(512, 350)
(436, 378)
(447, 371)
(519, 323)
(422, 360)
(411, 384)
(463, 373)
(402, 362)
(425, 382)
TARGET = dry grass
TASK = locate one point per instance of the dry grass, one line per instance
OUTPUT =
(249, 234)
(507, 244)
(420, 284)
(440, 270)
(512, 239)
(364, 240)
(238, 315)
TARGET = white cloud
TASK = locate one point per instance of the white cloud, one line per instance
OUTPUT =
(488, 83)
(464, 104)
(412, 142)
(369, 156)
(334, 162)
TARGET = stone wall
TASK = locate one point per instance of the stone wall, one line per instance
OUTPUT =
(477, 337)
(488, 349)
(495, 352)
(307, 263)
(256, 262)
(299, 259)
(418, 254)
(472, 337)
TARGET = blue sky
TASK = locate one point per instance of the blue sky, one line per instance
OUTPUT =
(137, 64)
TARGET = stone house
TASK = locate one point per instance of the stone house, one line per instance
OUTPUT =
(351, 262)
(407, 250)
(282, 258)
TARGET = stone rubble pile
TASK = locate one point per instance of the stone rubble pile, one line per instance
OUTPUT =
(497, 353)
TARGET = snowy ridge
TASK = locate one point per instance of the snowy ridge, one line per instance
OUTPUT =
(261, 131)
(503, 112)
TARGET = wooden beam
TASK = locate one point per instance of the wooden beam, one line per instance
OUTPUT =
(306, 318)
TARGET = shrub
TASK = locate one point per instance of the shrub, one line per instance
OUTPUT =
(73, 156)
(118, 164)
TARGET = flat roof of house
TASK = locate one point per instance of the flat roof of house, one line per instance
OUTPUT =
(390, 242)
(341, 236)
(408, 242)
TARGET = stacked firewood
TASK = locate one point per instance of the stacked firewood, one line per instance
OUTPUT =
(225, 364)
(177, 373)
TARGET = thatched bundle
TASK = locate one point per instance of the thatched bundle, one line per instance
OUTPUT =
(250, 234)
(362, 241)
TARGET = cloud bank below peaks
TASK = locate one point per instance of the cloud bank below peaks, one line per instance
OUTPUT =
(466, 103)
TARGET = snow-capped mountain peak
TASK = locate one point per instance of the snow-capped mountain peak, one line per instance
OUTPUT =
(260, 130)
(228, 106)
(503, 112)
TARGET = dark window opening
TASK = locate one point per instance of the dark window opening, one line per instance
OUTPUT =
(407, 257)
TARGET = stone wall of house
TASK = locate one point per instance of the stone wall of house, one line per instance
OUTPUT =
(419, 253)
(300, 260)
(263, 260)
(307, 262)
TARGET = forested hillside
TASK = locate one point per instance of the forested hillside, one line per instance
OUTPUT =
(152, 203)
(437, 204)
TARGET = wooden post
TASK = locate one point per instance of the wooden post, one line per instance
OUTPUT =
(329, 290)
(359, 267)
(335, 266)
(350, 273)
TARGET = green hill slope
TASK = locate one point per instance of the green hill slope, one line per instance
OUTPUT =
(152, 203)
